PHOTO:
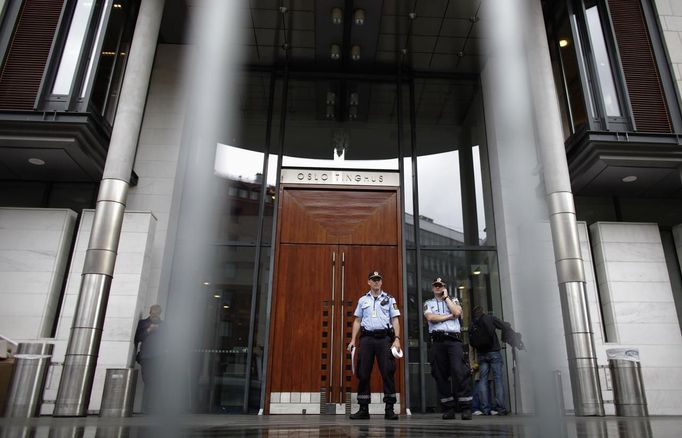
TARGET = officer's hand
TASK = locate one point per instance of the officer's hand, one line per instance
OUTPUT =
(396, 343)
(445, 293)
(351, 345)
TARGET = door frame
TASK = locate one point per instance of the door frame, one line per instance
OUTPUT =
(401, 368)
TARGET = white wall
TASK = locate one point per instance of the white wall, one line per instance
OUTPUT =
(670, 17)
(157, 154)
(34, 248)
(125, 306)
(639, 308)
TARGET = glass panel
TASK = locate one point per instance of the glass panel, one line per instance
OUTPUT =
(241, 162)
(603, 63)
(270, 194)
(471, 276)
(454, 192)
(414, 321)
(94, 56)
(567, 72)
(113, 59)
(221, 361)
(242, 169)
(72, 48)
(341, 124)
(409, 203)
(257, 364)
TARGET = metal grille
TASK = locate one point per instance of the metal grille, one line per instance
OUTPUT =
(27, 53)
(639, 65)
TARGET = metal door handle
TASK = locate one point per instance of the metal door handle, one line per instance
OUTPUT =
(343, 316)
(331, 338)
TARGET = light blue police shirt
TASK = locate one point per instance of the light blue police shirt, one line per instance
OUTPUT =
(376, 314)
(441, 308)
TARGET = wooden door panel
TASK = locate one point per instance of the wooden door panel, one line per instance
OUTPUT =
(359, 261)
(314, 298)
(304, 283)
(339, 217)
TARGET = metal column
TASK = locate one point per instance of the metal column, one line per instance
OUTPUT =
(82, 350)
(582, 362)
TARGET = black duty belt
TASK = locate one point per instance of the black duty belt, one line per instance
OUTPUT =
(375, 333)
(441, 336)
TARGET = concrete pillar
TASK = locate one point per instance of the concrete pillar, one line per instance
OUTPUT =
(86, 330)
(582, 362)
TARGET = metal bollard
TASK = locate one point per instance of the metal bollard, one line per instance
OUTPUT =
(28, 380)
(119, 392)
(628, 388)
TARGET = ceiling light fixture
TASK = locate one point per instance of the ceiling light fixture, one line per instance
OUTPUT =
(563, 43)
(206, 283)
(629, 179)
(355, 53)
(216, 295)
(359, 17)
(477, 271)
(36, 161)
(335, 52)
(354, 98)
(330, 112)
(337, 16)
(331, 98)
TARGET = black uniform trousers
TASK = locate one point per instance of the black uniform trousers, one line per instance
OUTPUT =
(453, 380)
(379, 347)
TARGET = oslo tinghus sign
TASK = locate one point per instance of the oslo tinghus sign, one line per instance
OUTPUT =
(340, 177)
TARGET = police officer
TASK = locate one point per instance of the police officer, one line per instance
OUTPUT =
(376, 323)
(447, 352)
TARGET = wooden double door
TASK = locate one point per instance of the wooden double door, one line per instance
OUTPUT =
(328, 242)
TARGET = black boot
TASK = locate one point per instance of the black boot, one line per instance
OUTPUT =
(449, 414)
(466, 414)
(389, 414)
(362, 414)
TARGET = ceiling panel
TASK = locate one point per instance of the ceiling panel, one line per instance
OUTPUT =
(59, 164)
(426, 26)
(456, 27)
(431, 8)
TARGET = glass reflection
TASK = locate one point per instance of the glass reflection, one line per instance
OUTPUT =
(72, 48)
(243, 171)
(471, 276)
(352, 125)
(603, 63)
(221, 360)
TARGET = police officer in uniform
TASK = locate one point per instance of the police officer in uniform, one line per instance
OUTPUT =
(377, 327)
(447, 353)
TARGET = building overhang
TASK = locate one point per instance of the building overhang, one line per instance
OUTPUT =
(73, 146)
(625, 164)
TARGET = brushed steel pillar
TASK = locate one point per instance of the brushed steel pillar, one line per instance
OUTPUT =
(82, 350)
(582, 363)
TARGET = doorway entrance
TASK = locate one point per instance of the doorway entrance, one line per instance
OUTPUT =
(329, 239)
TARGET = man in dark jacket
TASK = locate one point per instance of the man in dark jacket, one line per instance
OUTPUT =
(483, 338)
(149, 352)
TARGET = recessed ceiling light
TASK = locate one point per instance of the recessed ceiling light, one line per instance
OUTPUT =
(36, 161)
(563, 43)
(216, 295)
(629, 179)
(206, 283)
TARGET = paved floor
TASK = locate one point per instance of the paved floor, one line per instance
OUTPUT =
(334, 426)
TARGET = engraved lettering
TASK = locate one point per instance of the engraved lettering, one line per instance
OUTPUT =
(300, 176)
(381, 178)
(358, 178)
(325, 177)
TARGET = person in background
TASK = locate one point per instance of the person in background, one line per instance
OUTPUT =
(148, 344)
